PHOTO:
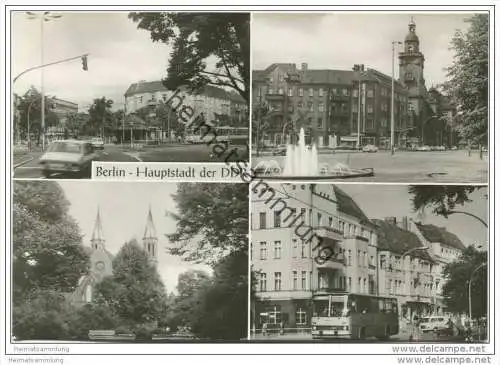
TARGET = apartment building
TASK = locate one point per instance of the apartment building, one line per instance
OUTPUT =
(286, 221)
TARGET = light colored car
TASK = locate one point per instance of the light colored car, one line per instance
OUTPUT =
(97, 142)
(424, 148)
(68, 157)
(370, 148)
(434, 323)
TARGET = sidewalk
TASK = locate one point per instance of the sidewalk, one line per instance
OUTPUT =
(23, 157)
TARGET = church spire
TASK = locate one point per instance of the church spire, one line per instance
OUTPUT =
(97, 241)
(150, 240)
(150, 231)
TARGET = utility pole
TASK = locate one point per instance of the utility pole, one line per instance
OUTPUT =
(394, 43)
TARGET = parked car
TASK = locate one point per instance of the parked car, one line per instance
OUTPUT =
(424, 148)
(434, 323)
(68, 157)
(97, 142)
(370, 148)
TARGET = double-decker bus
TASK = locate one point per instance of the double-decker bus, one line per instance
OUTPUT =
(355, 316)
(235, 135)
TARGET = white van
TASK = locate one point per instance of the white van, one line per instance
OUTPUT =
(434, 323)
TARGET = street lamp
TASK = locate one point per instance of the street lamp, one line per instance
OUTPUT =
(394, 44)
(44, 17)
(470, 284)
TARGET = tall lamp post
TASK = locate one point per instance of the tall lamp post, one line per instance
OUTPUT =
(394, 44)
(44, 17)
(470, 285)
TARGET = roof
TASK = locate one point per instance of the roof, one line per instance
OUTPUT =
(150, 230)
(144, 87)
(97, 232)
(392, 238)
(324, 76)
(348, 206)
(433, 233)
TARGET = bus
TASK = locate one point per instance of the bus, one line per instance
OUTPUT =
(234, 135)
(354, 316)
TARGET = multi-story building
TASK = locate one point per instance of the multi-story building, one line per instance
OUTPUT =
(212, 101)
(406, 267)
(62, 109)
(326, 103)
(444, 247)
(293, 224)
(285, 221)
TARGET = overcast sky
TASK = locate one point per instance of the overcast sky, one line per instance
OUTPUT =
(340, 40)
(380, 201)
(124, 208)
(120, 54)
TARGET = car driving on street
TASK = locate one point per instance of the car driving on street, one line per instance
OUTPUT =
(97, 142)
(71, 157)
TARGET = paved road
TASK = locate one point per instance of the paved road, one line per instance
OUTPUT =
(32, 170)
(192, 153)
(409, 167)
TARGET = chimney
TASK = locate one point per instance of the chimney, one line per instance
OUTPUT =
(303, 67)
(391, 220)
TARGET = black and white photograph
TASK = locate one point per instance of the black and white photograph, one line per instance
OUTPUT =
(117, 86)
(381, 97)
(129, 262)
(356, 263)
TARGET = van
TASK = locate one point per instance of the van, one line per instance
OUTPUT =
(434, 323)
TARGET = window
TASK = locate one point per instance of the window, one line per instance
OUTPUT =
(294, 248)
(270, 90)
(311, 92)
(310, 106)
(320, 123)
(349, 288)
(349, 258)
(359, 257)
(369, 93)
(300, 105)
(301, 92)
(290, 92)
(263, 282)
(294, 279)
(301, 317)
(330, 222)
(262, 220)
(321, 107)
(319, 219)
(277, 219)
(263, 251)
(355, 93)
(359, 284)
(365, 261)
(303, 214)
(303, 280)
(280, 91)
(88, 293)
(369, 108)
(320, 91)
(345, 92)
(281, 78)
(304, 247)
(277, 250)
(277, 281)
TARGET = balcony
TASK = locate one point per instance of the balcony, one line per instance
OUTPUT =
(275, 97)
(330, 233)
(336, 262)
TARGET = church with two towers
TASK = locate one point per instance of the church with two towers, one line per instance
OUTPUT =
(101, 260)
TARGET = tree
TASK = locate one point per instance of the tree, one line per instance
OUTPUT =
(467, 83)
(223, 306)
(30, 108)
(101, 116)
(212, 221)
(197, 39)
(47, 246)
(458, 274)
(134, 292)
(92, 316)
(443, 199)
(43, 315)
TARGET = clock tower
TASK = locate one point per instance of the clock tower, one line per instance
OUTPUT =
(411, 70)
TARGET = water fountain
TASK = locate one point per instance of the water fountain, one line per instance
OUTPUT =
(301, 163)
